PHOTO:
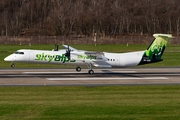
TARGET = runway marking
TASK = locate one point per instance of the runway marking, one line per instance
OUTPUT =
(104, 71)
(97, 78)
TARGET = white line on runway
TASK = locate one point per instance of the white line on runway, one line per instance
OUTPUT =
(97, 78)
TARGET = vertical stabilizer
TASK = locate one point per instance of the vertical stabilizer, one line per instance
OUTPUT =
(156, 49)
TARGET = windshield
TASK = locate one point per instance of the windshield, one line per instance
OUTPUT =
(19, 53)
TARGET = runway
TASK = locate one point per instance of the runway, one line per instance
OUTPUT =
(102, 77)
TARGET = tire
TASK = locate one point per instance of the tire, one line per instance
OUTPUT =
(91, 72)
(12, 65)
(78, 69)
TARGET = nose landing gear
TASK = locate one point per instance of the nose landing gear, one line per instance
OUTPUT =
(12, 65)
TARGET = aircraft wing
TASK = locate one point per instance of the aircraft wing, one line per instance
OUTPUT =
(90, 55)
(99, 55)
(97, 59)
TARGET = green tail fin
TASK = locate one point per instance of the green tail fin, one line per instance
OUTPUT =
(156, 49)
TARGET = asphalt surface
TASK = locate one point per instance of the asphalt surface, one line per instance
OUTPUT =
(101, 77)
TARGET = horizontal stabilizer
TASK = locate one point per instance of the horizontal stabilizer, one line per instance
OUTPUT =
(163, 35)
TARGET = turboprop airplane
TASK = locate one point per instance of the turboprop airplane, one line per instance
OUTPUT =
(72, 56)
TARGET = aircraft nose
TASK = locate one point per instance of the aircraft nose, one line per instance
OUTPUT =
(8, 58)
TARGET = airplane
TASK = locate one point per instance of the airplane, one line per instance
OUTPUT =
(72, 56)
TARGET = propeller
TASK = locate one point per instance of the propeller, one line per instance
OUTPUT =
(68, 52)
(56, 47)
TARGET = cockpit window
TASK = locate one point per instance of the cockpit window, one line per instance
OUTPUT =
(22, 53)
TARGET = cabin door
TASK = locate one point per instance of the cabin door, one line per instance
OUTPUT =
(31, 56)
(117, 61)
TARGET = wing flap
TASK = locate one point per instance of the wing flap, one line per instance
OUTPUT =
(101, 64)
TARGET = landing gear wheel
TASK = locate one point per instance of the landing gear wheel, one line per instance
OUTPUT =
(12, 65)
(91, 72)
(78, 69)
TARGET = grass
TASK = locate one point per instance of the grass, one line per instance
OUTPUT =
(171, 56)
(79, 103)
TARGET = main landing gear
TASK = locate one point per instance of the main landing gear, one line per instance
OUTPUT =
(78, 69)
(90, 71)
(90, 68)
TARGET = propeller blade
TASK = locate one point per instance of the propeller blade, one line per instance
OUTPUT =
(56, 47)
(68, 52)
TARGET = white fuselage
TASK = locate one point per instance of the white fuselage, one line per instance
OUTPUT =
(77, 58)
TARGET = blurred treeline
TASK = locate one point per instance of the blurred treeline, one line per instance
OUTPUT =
(86, 17)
